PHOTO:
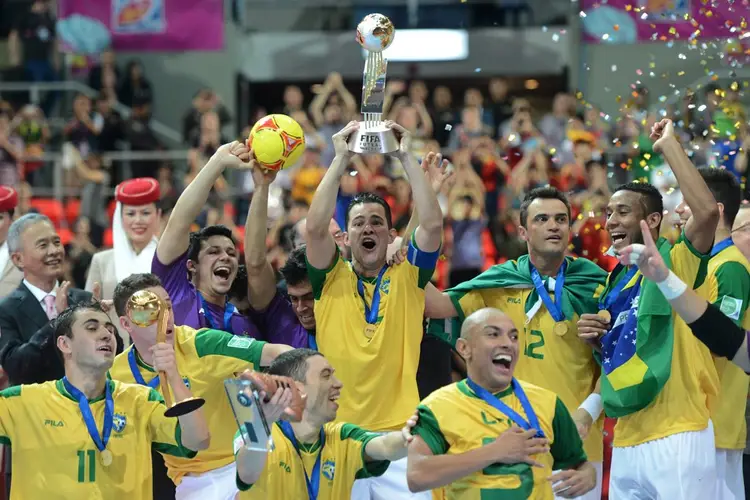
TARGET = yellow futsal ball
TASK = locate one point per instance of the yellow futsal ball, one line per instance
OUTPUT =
(277, 141)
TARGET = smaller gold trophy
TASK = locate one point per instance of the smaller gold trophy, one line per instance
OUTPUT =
(144, 309)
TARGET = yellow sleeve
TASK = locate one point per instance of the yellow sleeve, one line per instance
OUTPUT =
(467, 303)
(320, 278)
(689, 264)
(8, 399)
(166, 434)
(226, 354)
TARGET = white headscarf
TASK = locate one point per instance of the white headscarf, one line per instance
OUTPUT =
(128, 262)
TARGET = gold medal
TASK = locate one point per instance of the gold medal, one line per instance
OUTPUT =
(106, 458)
(560, 328)
(370, 330)
(604, 314)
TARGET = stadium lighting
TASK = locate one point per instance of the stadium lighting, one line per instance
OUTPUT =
(427, 45)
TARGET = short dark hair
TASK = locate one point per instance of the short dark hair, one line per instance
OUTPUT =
(238, 290)
(544, 193)
(363, 198)
(726, 190)
(63, 324)
(292, 364)
(130, 285)
(650, 196)
(198, 237)
(294, 271)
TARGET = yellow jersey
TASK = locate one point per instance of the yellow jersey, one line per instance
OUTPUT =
(728, 284)
(205, 359)
(683, 403)
(341, 462)
(54, 457)
(562, 364)
(378, 368)
(454, 420)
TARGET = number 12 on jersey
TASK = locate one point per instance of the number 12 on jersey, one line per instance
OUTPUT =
(86, 460)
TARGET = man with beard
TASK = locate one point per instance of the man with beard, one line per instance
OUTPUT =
(546, 292)
(729, 289)
(369, 315)
(657, 378)
(198, 269)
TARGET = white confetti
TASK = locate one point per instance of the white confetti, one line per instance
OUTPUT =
(614, 67)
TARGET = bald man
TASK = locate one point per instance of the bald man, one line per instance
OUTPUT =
(493, 435)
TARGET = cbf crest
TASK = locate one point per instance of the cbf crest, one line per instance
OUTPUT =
(385, 286)
(328, 469)
(119, 422)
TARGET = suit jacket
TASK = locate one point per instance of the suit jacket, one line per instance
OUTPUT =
(102, 271)
(10, 278)
(27, 348)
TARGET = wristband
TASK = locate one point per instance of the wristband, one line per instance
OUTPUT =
(672, 287)
(593, 406)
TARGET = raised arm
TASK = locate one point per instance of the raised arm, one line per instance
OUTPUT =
(261, 280)
(176, 237)
(321, 248)
(391, 446)
(701, 227)
(428, 234)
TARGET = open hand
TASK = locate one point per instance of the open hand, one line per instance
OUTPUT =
(261, 176)
(519, 446)
(341, 139)
(646, 257)
(436, 170)
(403, 136)
(61, 299)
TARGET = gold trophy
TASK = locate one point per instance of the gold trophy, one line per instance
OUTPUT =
(144, 309)
(374, 33)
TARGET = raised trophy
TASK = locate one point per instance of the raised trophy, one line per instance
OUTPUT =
(245, 399)
(374, 33)
(144, 309)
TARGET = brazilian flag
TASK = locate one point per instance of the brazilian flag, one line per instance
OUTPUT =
(584, 281)
(633, 373)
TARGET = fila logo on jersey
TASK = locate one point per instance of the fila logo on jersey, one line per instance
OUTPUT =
(513, 300)
(240, 342)
(285, 467)
(329, 469)
(54, 423)
(119, 422)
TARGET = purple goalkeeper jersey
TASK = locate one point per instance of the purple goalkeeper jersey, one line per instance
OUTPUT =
(191, 310)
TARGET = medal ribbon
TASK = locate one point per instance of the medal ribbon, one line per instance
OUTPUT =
(554, 308)
(611, 297)
(137, 373)
(312, 342)
(725, 243)
(496, 403)
(312, 483)
(229, 310)
(88, 416)
(371, 312)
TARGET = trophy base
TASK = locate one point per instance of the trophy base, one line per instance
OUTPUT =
(184, 407)
(373, 140)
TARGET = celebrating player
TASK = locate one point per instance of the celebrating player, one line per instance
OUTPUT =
(656, 378)
(320, 459)
(93, 436)
(729, 288)
(491, 435)
(205, 359)
(546, 292)
(369, 316)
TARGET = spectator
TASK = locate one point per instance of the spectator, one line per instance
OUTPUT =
(204, 101)
(11, 153)
(444, 116)
(471, 127)
(135, 88)
(500, 104)
(105, 74)
(140, 137)
(31, 126)
(10, 275)
(81, 131)
(554, 125)
(307, 176)
(78, 253)
(293, 101)
(329, 116)
(467, 223)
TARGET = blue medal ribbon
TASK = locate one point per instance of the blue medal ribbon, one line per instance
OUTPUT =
(554, 308)
(490, 399)
(371, 312)
(137, 373)
(725, 243)
(312, 342)
(312, 482)
(611, 297)
(229, 310)
(88, 416)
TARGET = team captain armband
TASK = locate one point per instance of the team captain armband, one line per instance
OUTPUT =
(420, 258)
(720, 334)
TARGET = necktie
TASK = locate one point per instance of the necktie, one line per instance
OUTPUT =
(49, 306)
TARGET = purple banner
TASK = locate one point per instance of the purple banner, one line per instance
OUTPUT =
(633, 21)
(154, 25)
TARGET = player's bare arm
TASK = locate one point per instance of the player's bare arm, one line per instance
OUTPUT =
(176, 237)
(261, 279)
(427, 471)
(437, 304)
(321, 248)
(194, 429)
(393, 445)
(700, 229)
(271, 352)
(428, 235)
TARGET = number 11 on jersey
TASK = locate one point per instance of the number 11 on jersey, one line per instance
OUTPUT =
(86, 460)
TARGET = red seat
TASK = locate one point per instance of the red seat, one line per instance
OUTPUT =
(107, 240)
(50, 207)
(65, 234)
(111, 209)
(72, 211)
(488, 247)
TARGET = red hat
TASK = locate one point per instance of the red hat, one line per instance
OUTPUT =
(8, 198)
(140, 191)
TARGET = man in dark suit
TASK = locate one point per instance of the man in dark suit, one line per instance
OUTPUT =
(27, 350)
